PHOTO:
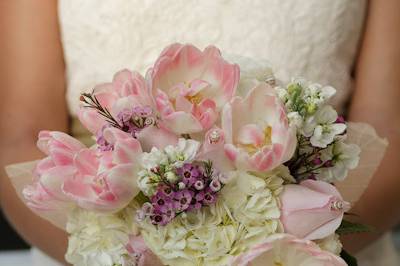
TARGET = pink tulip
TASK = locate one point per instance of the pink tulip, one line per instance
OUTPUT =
(74, 174)
(190, 86)
(106, 182)
(51, 172)
(126, 91)
(283, 249)
(257, 133)
(312, 210)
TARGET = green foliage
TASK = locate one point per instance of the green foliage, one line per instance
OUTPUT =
(141, 198)
(347, 227)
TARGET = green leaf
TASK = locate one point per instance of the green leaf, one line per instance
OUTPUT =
(347, 227)
(349, 259)
(141, 198)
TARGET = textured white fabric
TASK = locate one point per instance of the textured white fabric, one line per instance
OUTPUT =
(315, 39)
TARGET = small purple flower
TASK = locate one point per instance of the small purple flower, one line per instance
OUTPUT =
(124, 116)
(316, 161)
(161, 203)
(103, 145)
(329, 163)
(215, 185)
(340, 120)
(199, 184)
(189, 174)
(183, 199)
(147, 208)
(209, 197)
(194, 204)
(159, 218)
(200, 196)
(142, 111)
(166, 191)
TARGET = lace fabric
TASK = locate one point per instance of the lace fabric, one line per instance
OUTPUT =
(315, 39)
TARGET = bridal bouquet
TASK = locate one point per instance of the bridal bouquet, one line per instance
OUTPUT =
(203, 163)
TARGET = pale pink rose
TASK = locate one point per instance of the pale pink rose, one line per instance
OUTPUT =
(106, 181)
(257, 133)
(191, 86)
(312, 210)
(140, 254)
(283, 249)
(51, 172)
(126, 91)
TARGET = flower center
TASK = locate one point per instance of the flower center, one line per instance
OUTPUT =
(183, 201)
(195, 99)
(161, 202)
(254, 147)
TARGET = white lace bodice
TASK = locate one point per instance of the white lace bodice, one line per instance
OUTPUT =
(315, 39)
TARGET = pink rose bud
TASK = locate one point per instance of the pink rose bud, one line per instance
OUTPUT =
(312, 210)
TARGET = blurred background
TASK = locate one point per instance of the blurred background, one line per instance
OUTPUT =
(13, 250)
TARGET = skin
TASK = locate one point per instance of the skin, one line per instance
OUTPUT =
(32, 89)
(376, 101)
(32, 73)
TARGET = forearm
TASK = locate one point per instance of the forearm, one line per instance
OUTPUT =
(376, 101)
(33, 229)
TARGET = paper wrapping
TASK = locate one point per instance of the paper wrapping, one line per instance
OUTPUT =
(21, 175)
(372, 151)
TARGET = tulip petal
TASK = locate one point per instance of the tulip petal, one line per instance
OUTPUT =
(182, 123)
(158, 137)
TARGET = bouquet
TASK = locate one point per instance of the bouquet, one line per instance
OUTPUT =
(203, 162)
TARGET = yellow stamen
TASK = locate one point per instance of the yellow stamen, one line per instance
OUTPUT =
(253, 148)
(195, 99)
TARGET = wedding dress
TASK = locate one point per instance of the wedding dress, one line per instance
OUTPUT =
(315, 39)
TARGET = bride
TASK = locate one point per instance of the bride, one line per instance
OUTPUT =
(52, 51)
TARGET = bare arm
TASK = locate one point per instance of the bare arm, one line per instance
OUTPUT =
(377, 101)
(31, 98)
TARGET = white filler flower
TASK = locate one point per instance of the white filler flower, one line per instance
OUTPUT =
(326, 129)
(343, 157)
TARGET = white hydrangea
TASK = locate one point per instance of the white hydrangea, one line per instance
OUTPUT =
(96, 239)
(252, 202)
(324, 127)
(246, 212)
(344, 157)
(204, 237)
(331, 244)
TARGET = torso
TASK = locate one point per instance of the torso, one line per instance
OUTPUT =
(315, 39)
